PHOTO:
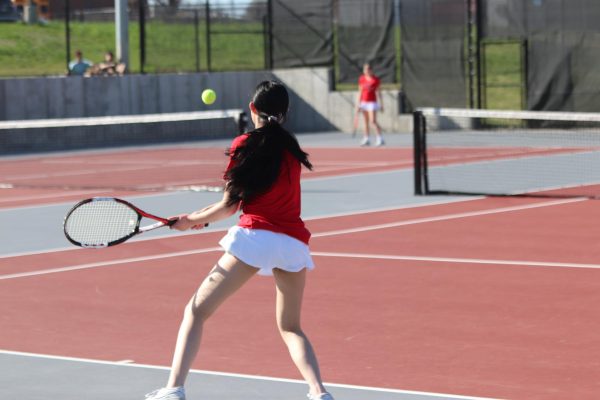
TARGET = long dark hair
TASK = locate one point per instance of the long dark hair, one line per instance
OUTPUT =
(258, 160)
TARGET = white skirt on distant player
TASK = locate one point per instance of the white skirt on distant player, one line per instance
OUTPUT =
(266, 250)
(369, 106)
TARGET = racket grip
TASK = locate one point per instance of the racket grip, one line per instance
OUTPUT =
(171, 222)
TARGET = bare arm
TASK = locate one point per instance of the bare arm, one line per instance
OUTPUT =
(213, 213)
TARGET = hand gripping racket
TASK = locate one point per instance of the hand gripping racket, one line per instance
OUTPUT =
(105, 221)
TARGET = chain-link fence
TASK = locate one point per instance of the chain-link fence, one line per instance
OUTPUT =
(535, 54)
(208, 36)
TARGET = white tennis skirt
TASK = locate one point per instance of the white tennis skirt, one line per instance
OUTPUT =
(266, 250)
(369, 106)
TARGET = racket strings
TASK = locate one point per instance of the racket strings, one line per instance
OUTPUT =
(101, 222)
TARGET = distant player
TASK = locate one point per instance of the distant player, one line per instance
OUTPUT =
(369, 101)
(263, 180)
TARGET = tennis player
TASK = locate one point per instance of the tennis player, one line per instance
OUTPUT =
(263, 180)
(369, 101)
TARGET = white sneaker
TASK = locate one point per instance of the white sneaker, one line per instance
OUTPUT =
(379, 142)
(365, 142)
(177, 393)
(322, 396)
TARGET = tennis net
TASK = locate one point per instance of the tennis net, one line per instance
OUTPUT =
(42, 135)
(506, 153)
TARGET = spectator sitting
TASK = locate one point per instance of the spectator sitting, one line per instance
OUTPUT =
(109, 67)
(79, 65)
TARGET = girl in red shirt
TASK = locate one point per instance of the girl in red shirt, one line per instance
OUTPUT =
(369, 101)
(263, 180)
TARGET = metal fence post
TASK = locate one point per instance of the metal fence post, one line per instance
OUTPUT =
(197, 39)
(478, 36)
(270, 33)
(142, 23)
(265, 33)
(470, 53)
(68, 34)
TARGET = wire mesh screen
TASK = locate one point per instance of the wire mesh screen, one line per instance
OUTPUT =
(302, 33)
(365, 33)
(563, 48)
(238, 36)
(173, 39)
(433, 40)
(208, 37)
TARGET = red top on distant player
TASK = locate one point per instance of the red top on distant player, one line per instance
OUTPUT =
(368, 87)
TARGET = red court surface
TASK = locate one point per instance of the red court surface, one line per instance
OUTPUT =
(488, 297)
(39, 180)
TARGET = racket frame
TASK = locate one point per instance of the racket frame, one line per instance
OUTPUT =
(137, 230)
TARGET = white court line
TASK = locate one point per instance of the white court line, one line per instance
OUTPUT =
(456, 260)
(12, 178)
(322, 234)
(343, 167)
(234, 375)
(212, 230)
(51, 196)
(354, 163)
(10, 181)
(448, 217)
(315, 253)
(121, 167)
(396, 208)
(159, 189)
(120, 161)
(129, 165)
(108, 263)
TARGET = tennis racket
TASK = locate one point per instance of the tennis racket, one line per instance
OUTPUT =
(106, 221)
(355, 123)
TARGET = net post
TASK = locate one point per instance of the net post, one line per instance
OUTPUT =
(418, 134)
(242, 122)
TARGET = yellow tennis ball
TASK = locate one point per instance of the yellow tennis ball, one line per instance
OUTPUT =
(209, 96)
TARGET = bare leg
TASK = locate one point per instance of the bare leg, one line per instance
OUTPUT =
(373, 120)
(225, 279)
(367, 127)
(290, 288)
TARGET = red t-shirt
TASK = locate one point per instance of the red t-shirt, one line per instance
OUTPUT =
(368, 88)
(278, 209)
